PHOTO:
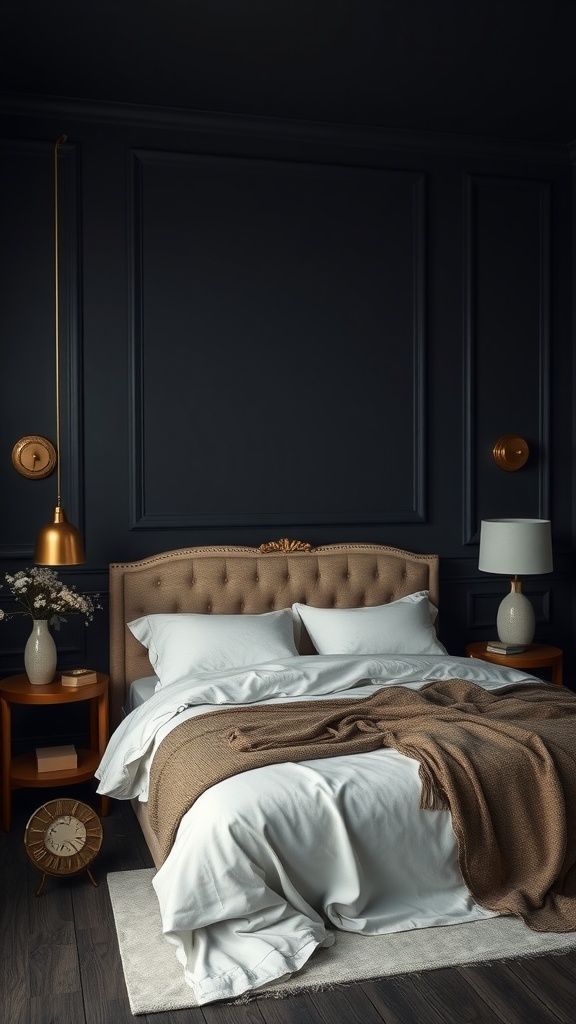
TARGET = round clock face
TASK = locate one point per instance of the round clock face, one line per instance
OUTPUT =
(66, 836)
(63, 837)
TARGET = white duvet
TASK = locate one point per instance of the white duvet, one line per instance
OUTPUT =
(267, 864)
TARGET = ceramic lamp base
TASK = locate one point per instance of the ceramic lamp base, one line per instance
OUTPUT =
(515, 621)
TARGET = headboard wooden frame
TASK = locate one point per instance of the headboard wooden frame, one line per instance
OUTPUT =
(232, 580)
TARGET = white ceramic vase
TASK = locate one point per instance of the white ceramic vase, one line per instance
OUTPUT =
(40, 654)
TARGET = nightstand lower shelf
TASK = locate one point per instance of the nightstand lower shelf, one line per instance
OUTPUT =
(24, 772)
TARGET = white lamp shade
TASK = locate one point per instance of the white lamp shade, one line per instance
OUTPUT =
(515, 547)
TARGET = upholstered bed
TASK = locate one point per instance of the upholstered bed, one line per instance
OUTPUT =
(224, 580)
(227, 660)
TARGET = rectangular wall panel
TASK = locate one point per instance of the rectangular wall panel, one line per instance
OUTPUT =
(278, 343)
(507, 347)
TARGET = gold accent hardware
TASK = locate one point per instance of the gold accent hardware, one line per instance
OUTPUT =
(34, 456)
(510, 452)
(285, 545)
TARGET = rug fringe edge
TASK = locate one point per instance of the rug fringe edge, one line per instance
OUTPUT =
(330, 986)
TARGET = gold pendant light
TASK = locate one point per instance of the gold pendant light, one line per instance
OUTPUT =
(59, 542)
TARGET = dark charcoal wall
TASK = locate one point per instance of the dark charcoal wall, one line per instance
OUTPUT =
(281, 331)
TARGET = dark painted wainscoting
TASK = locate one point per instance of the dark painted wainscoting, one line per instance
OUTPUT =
(285, 330)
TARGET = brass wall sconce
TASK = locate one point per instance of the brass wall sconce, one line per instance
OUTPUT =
(510, 452)
(34, 457)
(59, 542)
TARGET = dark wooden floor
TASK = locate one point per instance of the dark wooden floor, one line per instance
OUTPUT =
(59, 960)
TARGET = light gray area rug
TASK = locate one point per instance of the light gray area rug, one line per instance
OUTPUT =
(155, 982)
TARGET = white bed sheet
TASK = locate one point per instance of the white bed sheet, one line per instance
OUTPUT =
(140, 691)
(265, 865)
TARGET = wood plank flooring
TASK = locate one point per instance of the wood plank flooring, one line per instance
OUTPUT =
(59, 960)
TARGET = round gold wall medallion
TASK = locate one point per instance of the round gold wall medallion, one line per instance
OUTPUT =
(510, 452)
(34, 456)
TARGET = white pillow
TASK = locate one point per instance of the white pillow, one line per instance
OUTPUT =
(183, 644)
(405, 626)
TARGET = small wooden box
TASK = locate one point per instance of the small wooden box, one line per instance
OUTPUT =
(79, 677)
(56, 759)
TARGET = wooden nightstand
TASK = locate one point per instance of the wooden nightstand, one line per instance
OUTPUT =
(535, 656)
(21, 772)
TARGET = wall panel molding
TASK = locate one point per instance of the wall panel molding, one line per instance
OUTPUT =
(531, 363)
(319, 133)
(229, 185)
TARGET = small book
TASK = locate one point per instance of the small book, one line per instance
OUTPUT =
(499, 648)
(56, 759)
(79, 677)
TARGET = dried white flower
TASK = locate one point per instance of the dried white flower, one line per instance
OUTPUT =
(43, 596)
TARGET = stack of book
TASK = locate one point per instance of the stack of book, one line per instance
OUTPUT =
(496, 647)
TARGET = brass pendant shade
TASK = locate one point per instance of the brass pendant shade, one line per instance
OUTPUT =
(58, 543)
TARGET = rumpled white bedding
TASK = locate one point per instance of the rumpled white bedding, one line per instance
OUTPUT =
(265, 865)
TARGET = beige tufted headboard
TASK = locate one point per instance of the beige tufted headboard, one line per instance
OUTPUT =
(232, 580)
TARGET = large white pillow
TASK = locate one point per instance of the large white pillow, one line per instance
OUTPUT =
(183, 644)
(405, 626)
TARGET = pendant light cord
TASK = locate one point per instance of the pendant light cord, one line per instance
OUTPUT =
(59, 142)
(59, 542)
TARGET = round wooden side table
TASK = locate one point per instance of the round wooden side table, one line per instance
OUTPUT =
(21, 772)
(535, 656)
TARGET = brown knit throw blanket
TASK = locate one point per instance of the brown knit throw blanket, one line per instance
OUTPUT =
(504, 764)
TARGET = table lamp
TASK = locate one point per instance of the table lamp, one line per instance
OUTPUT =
(515, 547)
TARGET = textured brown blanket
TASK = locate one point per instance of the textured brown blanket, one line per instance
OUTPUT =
(504, 764)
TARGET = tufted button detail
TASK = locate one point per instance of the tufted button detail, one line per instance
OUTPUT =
(209, 607)
(158, 583)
